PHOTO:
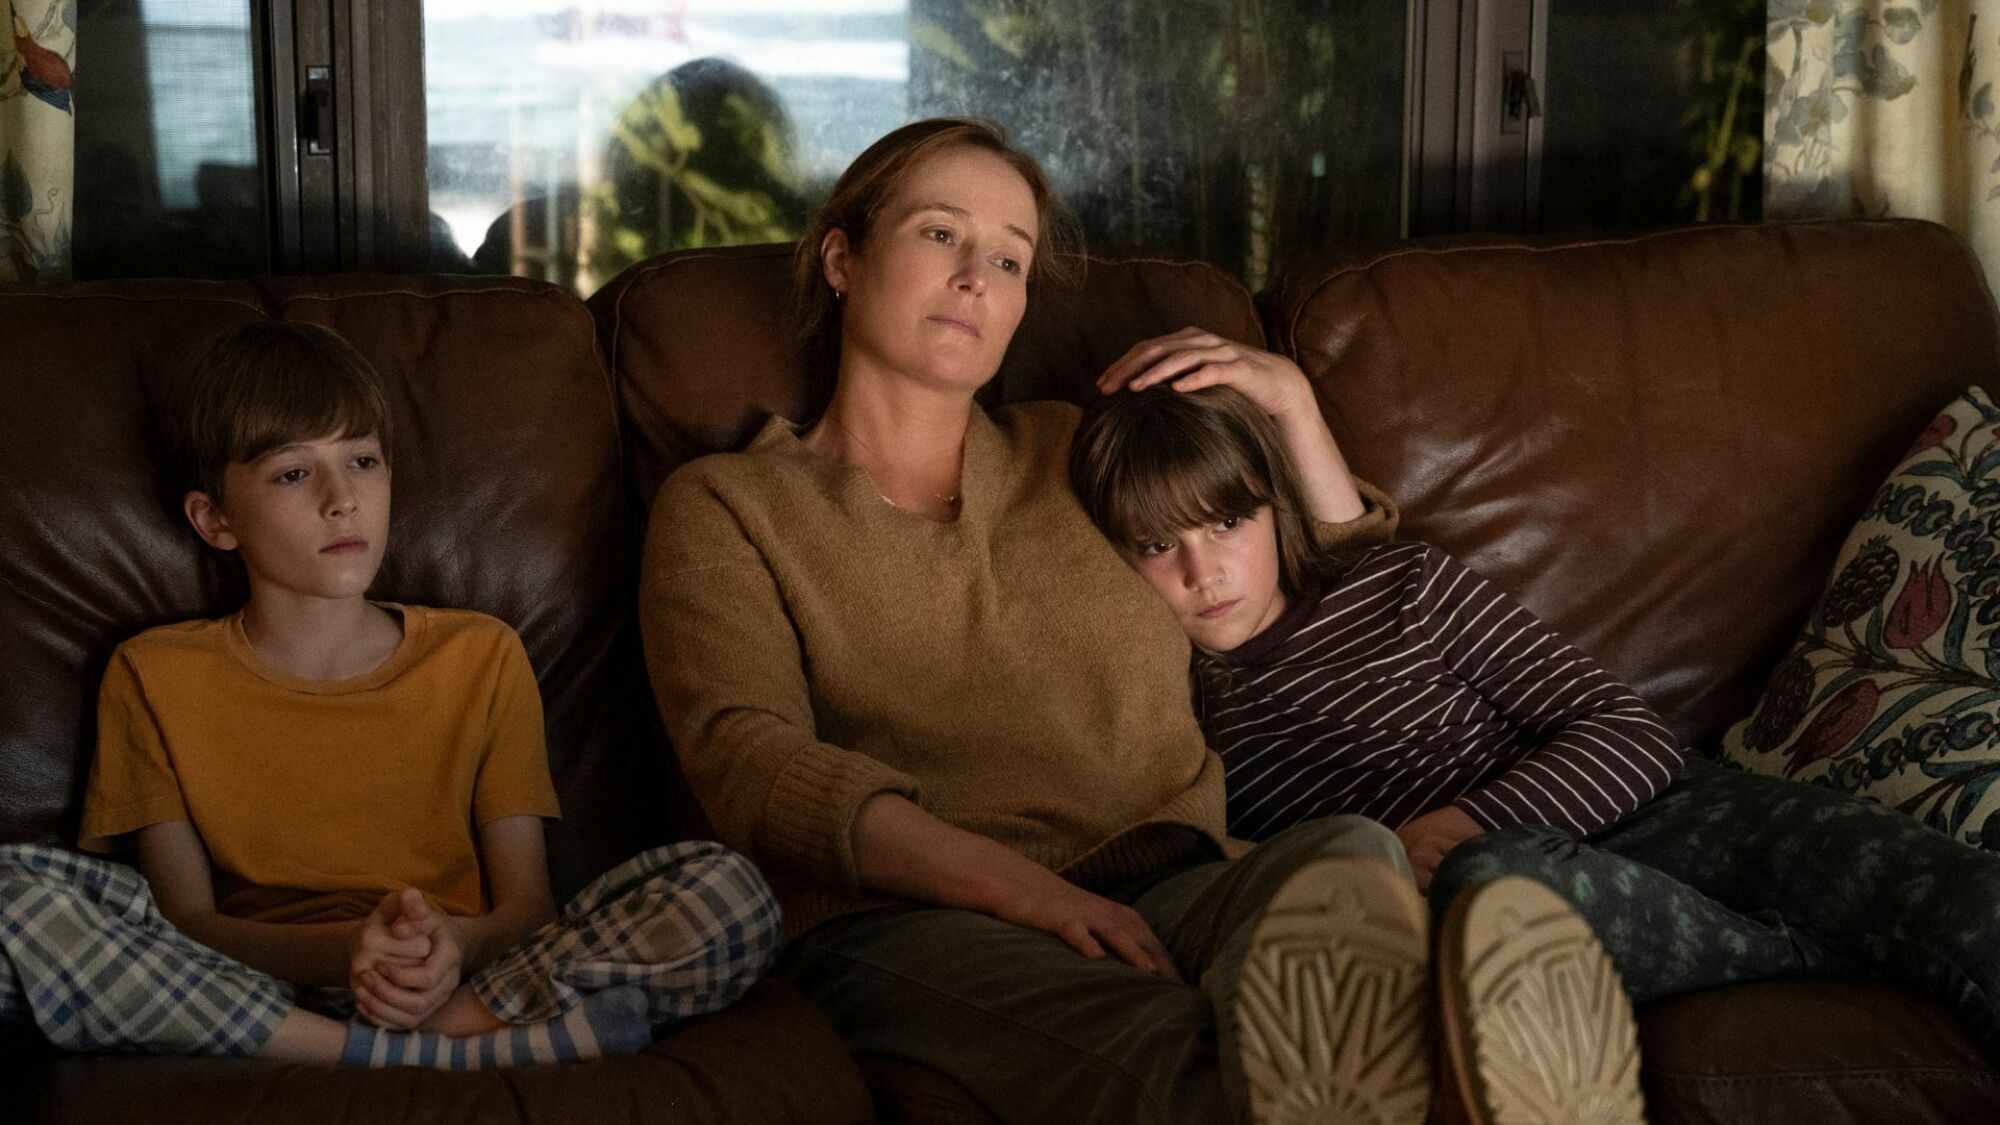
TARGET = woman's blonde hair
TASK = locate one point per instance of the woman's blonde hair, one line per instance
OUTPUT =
(1151, 463)
(866, 188)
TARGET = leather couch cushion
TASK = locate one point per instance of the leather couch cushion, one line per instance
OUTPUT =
(770, 1058)
(1657, 443)
(1814, 1051)
(506, 462)
(95, 548)
(699, 347)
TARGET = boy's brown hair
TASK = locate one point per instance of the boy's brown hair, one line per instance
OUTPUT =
(1151, 463)
(271, 383)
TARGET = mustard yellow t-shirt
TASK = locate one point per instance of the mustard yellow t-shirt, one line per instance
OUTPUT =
(315, 799)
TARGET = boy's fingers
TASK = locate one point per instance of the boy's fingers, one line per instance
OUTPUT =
(413, 950)
(402, 1001)
(378, 1012)
(415, 906)
(415, 978)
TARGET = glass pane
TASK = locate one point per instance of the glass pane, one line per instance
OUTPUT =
(570, 140)
(1655, 113)
(168, 179)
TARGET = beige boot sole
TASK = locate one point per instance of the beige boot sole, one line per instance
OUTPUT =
(1536, 1024)
(1332, 1007)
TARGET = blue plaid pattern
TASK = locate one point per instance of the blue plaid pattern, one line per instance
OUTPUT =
(86, 957)
(693, 925)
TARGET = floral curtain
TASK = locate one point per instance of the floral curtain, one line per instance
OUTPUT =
(37, 138)
(1886, 107)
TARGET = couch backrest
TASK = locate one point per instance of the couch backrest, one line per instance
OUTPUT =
(1658, 443)
(698, 347)
(507, 500)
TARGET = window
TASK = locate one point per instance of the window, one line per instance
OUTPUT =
(567, 139)
(168, 178)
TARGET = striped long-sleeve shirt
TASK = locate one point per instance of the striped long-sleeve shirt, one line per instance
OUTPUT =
(1413, 683)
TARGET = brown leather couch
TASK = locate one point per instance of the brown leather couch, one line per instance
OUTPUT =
(1657, 443)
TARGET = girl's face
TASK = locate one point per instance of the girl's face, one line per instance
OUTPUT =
(1220, 579)
(940, 285)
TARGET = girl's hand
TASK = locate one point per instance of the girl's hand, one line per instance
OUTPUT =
(1093, 925)
(1432, 836)
(1193, 358)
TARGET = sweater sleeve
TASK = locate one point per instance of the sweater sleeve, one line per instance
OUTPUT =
(1376, 523)
(1599, 752)
(730, 681)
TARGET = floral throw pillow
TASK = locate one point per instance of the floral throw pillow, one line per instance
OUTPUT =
(1892, 691)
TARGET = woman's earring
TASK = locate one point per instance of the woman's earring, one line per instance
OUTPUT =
(840, 294)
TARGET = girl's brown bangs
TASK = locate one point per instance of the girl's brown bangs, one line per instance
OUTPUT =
(1170, 483)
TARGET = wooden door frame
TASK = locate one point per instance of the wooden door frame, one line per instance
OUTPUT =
(365, 205)
(1466, 169)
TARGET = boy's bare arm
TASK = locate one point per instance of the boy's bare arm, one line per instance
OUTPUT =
(176, 866)
(515, 861)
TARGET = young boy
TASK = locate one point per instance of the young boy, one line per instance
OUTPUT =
(337, 802)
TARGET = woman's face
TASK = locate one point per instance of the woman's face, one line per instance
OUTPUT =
(938, 288)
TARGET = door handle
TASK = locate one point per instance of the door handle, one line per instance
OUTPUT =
(316, 124)
(1520, 101)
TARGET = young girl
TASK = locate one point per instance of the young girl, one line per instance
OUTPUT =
(1394, 682)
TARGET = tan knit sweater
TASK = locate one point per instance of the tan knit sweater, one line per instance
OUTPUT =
(811, 645)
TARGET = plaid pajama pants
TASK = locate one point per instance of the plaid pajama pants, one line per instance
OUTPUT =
(86, 957)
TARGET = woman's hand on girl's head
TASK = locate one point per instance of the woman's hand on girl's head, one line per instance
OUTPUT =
(1194, 358)
(1092, 925)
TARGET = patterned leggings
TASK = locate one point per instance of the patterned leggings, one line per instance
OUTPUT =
(1729, 877)
(86, 957)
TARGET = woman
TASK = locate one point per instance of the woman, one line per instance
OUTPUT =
(903, 671)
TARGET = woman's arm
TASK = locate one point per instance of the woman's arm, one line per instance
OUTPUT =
(1193, 358)
(904, 851)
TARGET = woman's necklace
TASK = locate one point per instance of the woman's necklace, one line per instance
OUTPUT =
(951, 500)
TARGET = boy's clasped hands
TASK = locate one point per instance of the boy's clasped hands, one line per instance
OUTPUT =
(405, 961)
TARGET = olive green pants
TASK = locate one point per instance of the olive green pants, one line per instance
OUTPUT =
(1038, 1032)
